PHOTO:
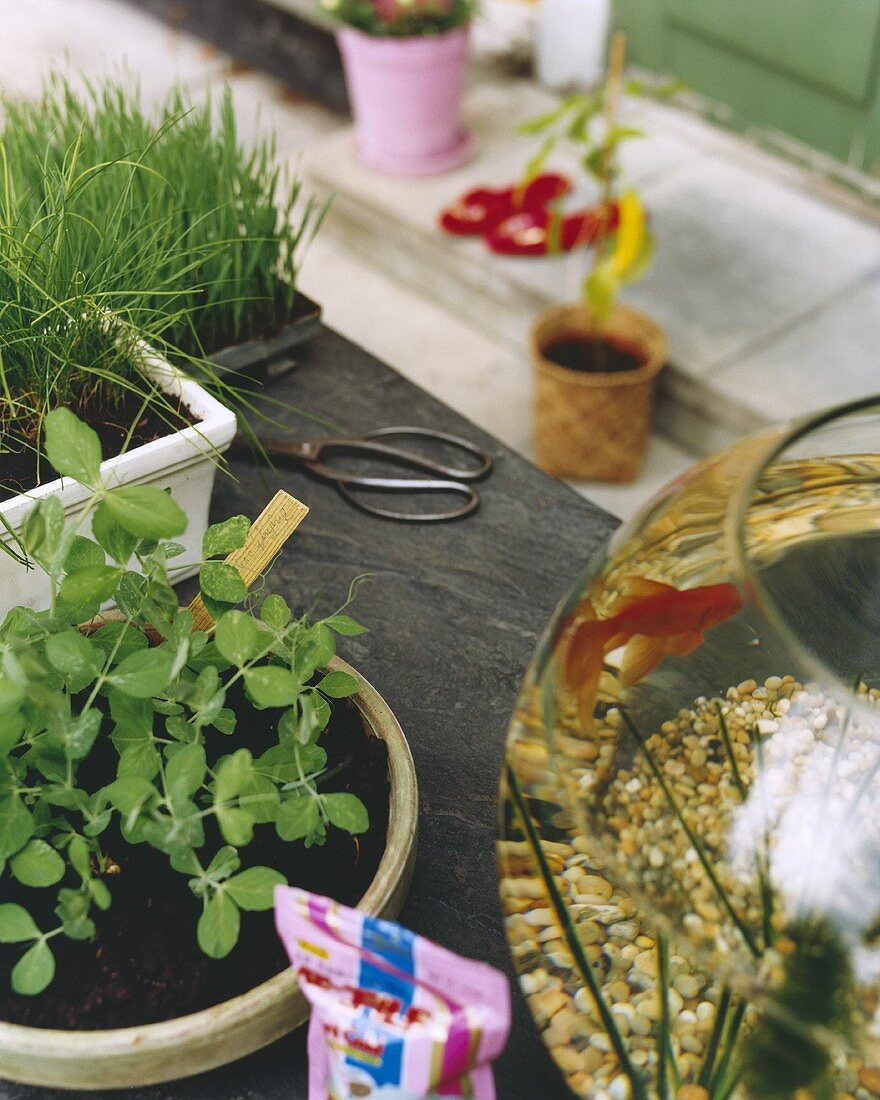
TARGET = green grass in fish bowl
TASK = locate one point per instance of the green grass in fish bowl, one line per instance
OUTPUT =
(690, 836)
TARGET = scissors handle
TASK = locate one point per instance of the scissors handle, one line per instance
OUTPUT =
(350, 491)
(429, 465)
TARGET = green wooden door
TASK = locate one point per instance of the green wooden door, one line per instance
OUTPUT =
(806, 67)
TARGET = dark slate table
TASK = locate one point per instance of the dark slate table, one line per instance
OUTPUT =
(454, 612)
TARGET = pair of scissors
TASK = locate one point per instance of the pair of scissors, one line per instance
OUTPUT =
(445, 478)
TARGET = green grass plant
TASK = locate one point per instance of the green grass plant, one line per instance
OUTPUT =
(229, 221)
(118, 225)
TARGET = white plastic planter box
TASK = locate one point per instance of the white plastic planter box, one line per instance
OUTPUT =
(184, 462)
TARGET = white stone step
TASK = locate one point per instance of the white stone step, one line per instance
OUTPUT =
(768, 293)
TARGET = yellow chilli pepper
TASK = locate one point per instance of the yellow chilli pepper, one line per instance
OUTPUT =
(631, 233)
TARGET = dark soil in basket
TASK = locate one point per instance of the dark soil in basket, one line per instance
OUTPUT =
(144, 964)
(580, 354)
(19, 472)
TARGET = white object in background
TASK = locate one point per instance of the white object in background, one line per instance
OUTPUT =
(184, 462)
(504, 30)
(570, 42)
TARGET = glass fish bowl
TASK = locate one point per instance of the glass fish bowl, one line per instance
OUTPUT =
(689, 845)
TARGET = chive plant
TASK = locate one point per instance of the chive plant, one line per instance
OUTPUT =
(229, 222)
(119, 226)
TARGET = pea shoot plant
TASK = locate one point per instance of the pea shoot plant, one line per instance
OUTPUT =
(103, 734)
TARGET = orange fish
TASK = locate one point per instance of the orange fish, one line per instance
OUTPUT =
(652, 620)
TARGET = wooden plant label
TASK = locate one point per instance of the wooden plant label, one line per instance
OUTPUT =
(268, 534)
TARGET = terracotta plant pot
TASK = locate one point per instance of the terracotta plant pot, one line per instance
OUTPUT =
(181, 1047)
(589, 425)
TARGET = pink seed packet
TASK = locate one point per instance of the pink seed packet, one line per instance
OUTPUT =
(394, 1016)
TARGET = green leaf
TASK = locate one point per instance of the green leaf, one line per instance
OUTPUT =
(225, 721)
(235, 776)
(185, 770)
(303, 722)
(45, 525)
(143, 674)
(138, 758)
(34, 970)
(234, 773)
(236, 826)
(223, 538)
(224, 864)
(346, 811)
(535, 165)
(601, 289)
(37, 864)
(280, 762)
(73, 911)
(338, 685)
(222, 582)
(146, 511)
(218, 926)
(82, 554)
(120, 639)
(72, 447)
(254, 889)
(92, 586)
(100, 893)
(216, 608)
(11, 728)
(239, 638)
(594, 163)
(344, 624)
(271, 686)
(78, 734)
(16, 924)
(298, 817)
(98, 824)
(118, 542)
(186, 862)
(79, 854)
(33, 533)
(275, 612)
(313, 651)
(541, 122)
(133, 717)
(129, 793)
(16, 825)
(72, 654)
(321, 710)
(130, 594)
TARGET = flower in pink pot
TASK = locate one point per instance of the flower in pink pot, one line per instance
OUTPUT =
(389, 11)
(402, 18)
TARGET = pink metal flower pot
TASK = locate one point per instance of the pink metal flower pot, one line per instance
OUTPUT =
(406, 98)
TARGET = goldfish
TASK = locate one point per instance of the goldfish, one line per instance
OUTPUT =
(652, 620)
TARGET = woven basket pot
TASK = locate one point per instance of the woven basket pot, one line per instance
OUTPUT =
(593, 426)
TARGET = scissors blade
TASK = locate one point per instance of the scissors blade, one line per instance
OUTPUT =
(283, 449)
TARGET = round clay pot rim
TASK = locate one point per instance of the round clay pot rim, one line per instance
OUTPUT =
(578, 311)
(216, 1020)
